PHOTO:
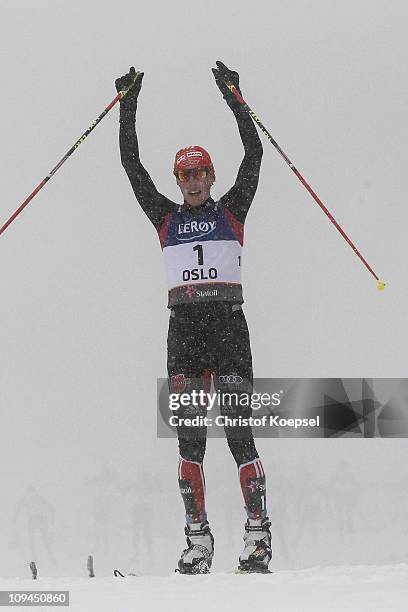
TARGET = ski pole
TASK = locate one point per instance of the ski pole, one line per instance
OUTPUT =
(235, 92)
(122, 93)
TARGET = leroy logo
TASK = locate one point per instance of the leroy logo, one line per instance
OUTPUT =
(195, 229)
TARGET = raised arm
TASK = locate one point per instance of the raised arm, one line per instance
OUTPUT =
(155, 205)
(239, 198)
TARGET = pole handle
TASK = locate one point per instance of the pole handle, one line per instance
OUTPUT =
(235, 92)
(123, 92)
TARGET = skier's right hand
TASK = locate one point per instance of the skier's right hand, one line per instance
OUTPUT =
(129, 101)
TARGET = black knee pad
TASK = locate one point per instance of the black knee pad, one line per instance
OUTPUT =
(192, 450)
(243, 451)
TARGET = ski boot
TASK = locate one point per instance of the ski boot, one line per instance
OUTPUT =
(197, 558)
(257, 552)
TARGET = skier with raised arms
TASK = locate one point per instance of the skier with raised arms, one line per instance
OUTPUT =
(208, 337)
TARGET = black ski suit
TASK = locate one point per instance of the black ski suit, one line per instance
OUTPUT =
(208, 334)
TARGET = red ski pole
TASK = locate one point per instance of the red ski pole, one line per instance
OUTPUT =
(235, 92)
(93, 125)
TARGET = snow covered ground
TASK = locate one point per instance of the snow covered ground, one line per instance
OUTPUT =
(345, 588)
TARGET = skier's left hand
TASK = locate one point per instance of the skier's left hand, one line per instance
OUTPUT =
(223, 74)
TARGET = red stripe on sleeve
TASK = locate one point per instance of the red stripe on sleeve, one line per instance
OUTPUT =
(164, 229)
(236, 226)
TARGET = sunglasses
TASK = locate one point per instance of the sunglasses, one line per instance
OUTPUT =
(199, 173)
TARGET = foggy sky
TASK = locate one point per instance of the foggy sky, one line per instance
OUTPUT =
(83, 294)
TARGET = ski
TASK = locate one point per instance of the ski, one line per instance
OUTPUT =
(90, 567)
(240, 570)
(118, 574)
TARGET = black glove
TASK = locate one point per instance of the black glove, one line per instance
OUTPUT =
(129, 102)
(223, 74)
